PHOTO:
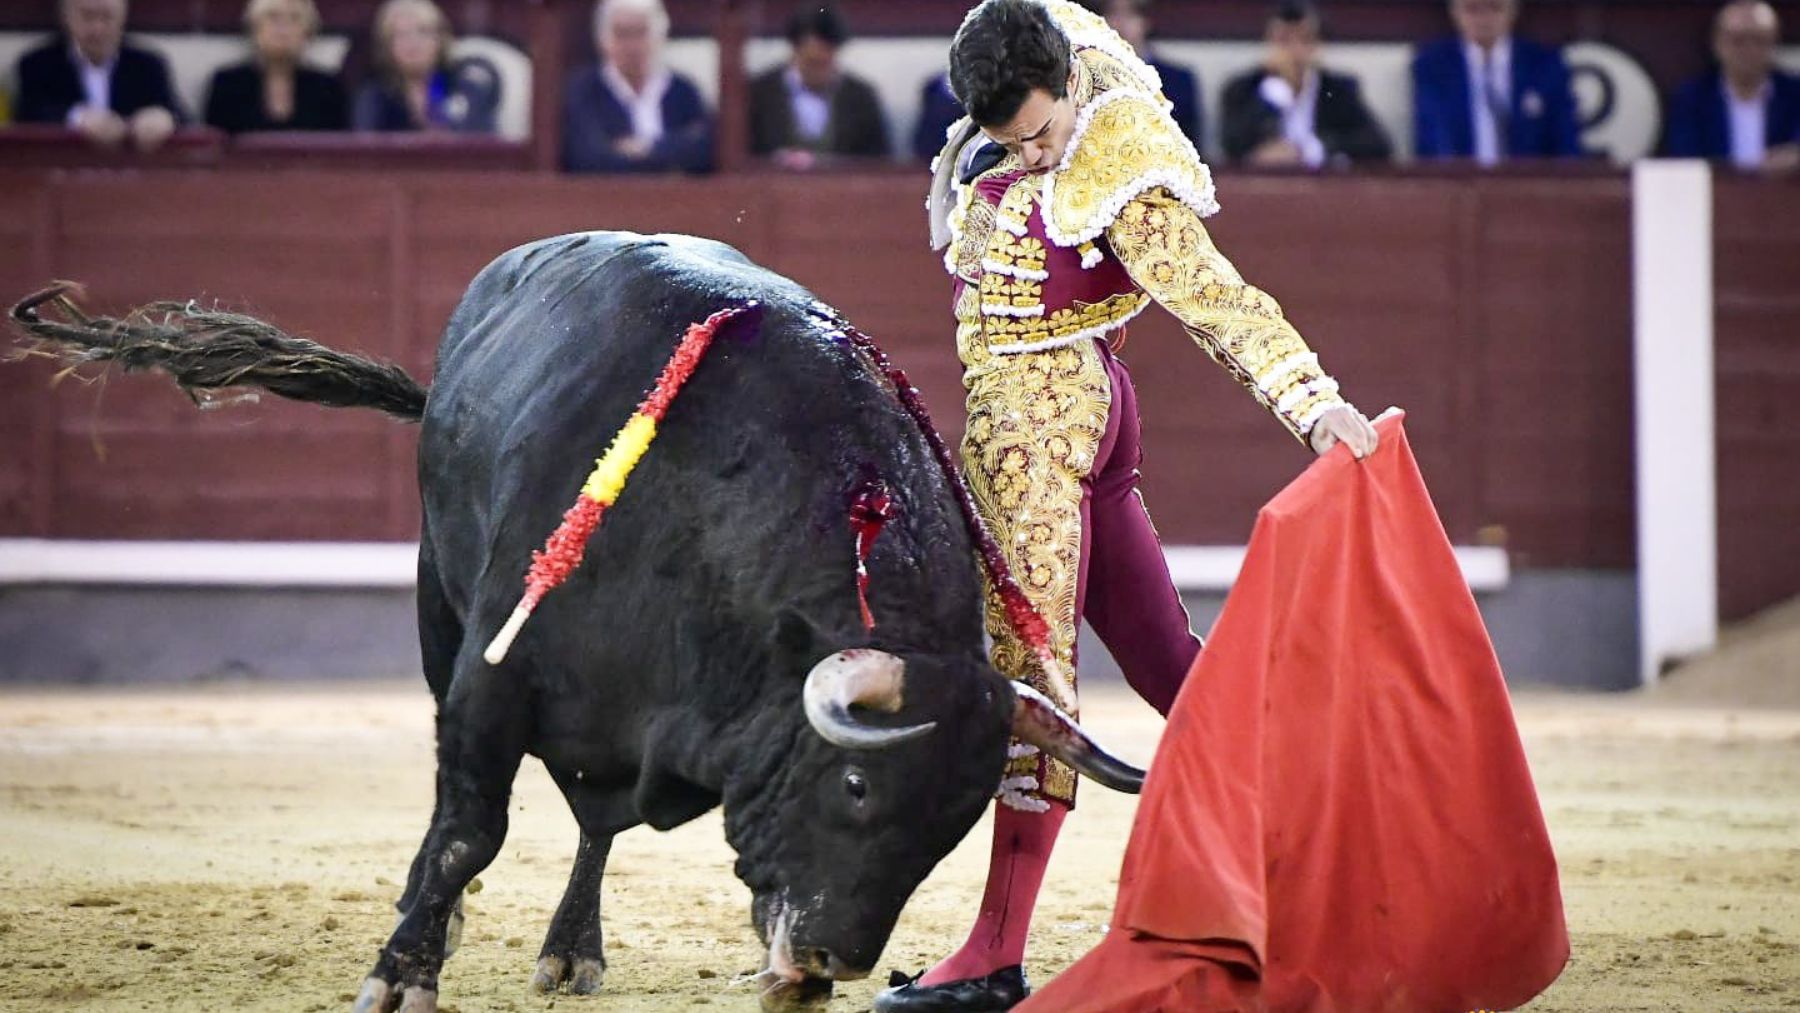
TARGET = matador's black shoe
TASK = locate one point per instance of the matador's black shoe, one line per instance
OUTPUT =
(1001, 990)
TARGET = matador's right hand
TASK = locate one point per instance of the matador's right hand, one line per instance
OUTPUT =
(1347, 425)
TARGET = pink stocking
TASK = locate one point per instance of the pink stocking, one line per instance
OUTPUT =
(1022, 845)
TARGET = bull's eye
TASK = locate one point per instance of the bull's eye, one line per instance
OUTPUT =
(856, 785)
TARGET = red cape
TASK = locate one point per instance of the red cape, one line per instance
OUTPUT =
(1339, 818)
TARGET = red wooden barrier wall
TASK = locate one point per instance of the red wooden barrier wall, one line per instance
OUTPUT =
(1497, 310)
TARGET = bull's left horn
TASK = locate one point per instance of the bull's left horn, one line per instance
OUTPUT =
(858, 678)
(1038, 722)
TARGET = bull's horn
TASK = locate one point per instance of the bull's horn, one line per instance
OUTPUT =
(1037, 721)
(858, 678)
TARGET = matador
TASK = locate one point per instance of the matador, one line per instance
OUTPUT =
(1066, 203)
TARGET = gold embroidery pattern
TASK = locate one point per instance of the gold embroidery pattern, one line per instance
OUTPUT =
(1011, 297)
(1034, 423)
(1065, 326)
(1097, 71)
(1012, 291)
(1019, 256)
(1035, 420)
(1125, 144)
(1016, 204)
(970, 224)
(1164, 246)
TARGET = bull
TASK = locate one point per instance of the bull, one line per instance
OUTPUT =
(713, 651)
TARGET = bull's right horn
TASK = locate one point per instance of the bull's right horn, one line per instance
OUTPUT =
(1038, 721)
(858, 678)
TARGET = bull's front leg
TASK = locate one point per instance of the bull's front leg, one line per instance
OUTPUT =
(453, 937)
(481, 736)
(573, 948)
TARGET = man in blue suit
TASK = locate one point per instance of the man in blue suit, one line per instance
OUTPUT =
(1488, 95)
(938, 112)
(1745, 110)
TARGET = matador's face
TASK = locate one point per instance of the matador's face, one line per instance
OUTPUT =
(1039, 133)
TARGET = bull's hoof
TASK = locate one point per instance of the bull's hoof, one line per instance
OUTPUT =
(377, 996)
(794, 996)
(549, 974)
(584, 975)
(587, 976)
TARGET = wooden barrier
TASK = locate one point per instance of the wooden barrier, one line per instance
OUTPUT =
(1494, 308)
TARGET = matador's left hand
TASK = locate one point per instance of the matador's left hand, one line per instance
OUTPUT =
(1347, 425)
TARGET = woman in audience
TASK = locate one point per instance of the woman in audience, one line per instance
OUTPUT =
(417, 85)
(274, 89)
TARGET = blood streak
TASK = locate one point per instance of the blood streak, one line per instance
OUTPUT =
(871, 507)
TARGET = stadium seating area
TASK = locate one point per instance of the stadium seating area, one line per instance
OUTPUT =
(1621, 106)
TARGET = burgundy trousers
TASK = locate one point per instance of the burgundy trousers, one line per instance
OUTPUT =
(1123, 589)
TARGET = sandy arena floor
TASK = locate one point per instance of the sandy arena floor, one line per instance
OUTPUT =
(239, 848)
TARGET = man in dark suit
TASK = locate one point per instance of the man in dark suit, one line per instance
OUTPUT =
(1745, 110)
(810, 108)
(1488, 95)
(1290, 111)
(89, 80)
(630, 113)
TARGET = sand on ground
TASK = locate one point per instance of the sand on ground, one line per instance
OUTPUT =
(241, 847)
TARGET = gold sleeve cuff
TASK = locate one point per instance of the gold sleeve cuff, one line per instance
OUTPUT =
(1163, 244)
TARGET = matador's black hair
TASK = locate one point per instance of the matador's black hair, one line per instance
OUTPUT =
(1005, 49)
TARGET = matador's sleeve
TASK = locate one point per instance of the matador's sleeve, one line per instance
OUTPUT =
(1167, 251)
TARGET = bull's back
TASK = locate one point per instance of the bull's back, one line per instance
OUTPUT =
(556, 340)
(542, 304)
(549, 353)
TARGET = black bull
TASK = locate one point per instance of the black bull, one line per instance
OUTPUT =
(712, 648)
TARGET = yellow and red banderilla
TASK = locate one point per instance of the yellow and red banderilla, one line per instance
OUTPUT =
(563, 550)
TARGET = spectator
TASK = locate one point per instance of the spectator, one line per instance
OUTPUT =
(630, 113)
(274, 90)
(1745, 110)
(90, 80)
(938, 112)
(810, 107)
(1487, 95)
(417, 85)
(1131, 19)
(1290, 111)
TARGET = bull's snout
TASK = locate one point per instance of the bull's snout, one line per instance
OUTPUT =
(819, 962)
(797, 961)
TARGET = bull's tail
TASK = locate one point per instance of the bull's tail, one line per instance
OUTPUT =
(207, 351)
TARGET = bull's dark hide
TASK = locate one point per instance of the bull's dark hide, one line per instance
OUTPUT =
(666, 675)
